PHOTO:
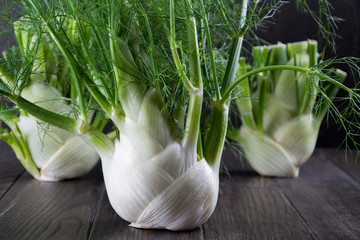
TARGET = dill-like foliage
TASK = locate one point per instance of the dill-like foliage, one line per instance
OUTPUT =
(106, 45)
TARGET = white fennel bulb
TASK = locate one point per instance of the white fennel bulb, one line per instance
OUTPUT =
(56, 153)
(149, 191)
(47, 152)
(280, 123)
(282, 153)
(154, 180)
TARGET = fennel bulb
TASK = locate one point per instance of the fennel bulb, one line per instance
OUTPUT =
(282, 153)
(153, 174)
(47, 152)
(57, 153)
(156, 181)
(280, 123)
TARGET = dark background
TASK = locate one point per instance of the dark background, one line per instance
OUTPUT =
(291, 26)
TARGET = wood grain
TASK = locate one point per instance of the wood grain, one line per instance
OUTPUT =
(326, 197)
(254, 212)
(322, 203)
(347, 162)
(43, 210)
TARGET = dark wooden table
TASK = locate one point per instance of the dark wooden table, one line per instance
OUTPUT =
(322, 203)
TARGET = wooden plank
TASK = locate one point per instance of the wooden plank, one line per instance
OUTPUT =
(326, 197)
(322, 202)
(50, 210)
(253, 210)
(108, 225)
(347, 163)
(10, 168)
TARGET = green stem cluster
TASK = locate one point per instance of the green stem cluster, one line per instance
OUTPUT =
(308, 71)
(123, 83)
(20, 147)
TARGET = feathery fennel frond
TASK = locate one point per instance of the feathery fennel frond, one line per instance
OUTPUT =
(326, 22)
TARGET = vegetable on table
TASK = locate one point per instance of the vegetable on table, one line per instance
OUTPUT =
(48, 153)
(164, 73)
(281, 110)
